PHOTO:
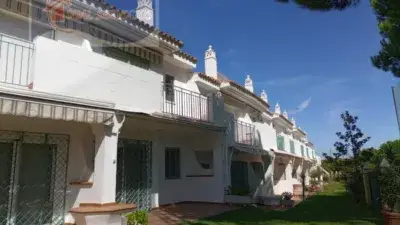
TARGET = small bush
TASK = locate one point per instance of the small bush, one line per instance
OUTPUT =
(389, 181)
(138, 217)
(287, 196)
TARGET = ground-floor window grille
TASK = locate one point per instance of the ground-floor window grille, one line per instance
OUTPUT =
(32, 178)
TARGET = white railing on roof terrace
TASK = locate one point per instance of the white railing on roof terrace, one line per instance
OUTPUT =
(15, 60)
(185, 103)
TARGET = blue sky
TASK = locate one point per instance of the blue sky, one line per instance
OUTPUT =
(295, 55)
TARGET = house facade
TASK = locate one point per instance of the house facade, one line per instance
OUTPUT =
(101, 114)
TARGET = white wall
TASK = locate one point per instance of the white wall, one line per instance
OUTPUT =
(71, 70)
(268, 135)
(203, 189)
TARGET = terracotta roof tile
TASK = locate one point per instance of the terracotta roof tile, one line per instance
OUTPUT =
(126, 16)
(187, 56)
(240, 87)
(209, 79)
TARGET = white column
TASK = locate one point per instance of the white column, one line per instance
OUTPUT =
(155, 170)
(105, 164)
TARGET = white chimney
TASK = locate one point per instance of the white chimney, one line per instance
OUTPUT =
(285, 114)
(294, 122)
(249, 84)
(277, 109)
(145, 12)
(264, 96)
(210, 62)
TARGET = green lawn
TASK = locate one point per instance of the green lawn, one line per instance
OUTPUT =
(333, 207)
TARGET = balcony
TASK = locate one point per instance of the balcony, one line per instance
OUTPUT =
(15, 60)
(246, 134)
(185, 103)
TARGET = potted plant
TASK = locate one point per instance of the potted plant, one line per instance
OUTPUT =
(286, 199)
(389, 185)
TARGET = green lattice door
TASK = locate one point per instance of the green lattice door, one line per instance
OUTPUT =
(33, 170)
(34, 198)
(134, 173)
(6, 152)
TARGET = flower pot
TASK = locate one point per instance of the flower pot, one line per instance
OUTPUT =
(391, 218)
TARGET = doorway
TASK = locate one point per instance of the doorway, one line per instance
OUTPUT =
(134, 173)
(32, 178)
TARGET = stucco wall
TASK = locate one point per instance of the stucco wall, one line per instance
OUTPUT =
(71, 70)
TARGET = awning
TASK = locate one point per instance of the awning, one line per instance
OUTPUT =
(18, 104)
(280, 152)
(250, 150)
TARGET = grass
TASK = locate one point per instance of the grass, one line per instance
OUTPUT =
(331, 207)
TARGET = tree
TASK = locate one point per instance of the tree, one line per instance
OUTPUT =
(352, 139)
(388, 16)
(323, 5)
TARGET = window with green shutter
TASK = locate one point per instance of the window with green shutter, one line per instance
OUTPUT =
(280, 141)
(292, 150)
(308, 153)
(302, 150)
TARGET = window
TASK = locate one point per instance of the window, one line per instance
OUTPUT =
(169, 88)
(280, 141)
(19, 6)
(74, 25)
(302, 150)
(308, 153)
(39, 13)
(172, 163)
(292, 150)
(8, 4)
(66, 22)
(205, 159)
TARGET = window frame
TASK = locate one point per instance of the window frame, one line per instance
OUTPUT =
(283, 142)
(169, 88)
(172, 171)
(292, 147)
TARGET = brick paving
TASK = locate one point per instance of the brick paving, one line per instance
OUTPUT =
(176, 213)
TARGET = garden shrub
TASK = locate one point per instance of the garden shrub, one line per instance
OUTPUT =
(389, 182)
(138, 217)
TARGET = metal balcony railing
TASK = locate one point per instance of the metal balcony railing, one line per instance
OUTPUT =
(15, 60)
(246, 134)
(185, 103)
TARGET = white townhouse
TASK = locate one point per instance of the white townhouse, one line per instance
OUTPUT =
(101, 114)
(266, 153)
(249, 134)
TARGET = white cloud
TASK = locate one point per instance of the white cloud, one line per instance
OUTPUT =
(301, 107)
